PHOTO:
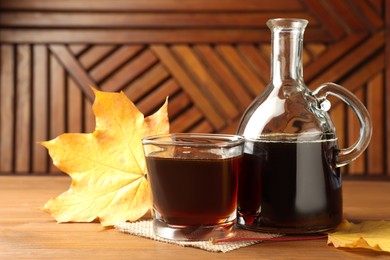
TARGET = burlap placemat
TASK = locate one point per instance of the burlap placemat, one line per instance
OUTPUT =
(145, 229)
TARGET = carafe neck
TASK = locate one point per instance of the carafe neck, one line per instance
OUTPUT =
(286, 55)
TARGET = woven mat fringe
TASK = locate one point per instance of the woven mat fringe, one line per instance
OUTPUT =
(145, 229)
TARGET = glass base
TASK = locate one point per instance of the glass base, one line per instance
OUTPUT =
(192, 233)
(298, 230)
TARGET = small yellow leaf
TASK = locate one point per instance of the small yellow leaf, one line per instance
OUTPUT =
(107, 167)
(373, 235)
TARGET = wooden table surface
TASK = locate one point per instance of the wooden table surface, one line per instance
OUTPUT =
(28, 233)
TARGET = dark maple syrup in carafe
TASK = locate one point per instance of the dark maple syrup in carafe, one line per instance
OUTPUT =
(290, 187)
(291, 182)
(188, 191)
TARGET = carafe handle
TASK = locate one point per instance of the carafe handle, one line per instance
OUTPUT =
(349, 154)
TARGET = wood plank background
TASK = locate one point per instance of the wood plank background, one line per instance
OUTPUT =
(210, 57)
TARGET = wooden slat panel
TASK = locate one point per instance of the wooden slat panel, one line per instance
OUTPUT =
(94, 54)
(305, 57)
(137, 36)
(369, 14)
(202, 127)
(376, 150)
(320, 10)
(184, 122)
(255, 59)
(141, 36)
(23, 109)
(57, 101)
(207, 84)
(76, 49)
(97, 40)
(387, 88)
(188, 85)
(177, 104)
(337, 114)
(89, 118)
(315, 49)
(364, 74)
(338, 117)
(74, 107)
(145, 83)
(7, 113)
(244, 72)
(129, 71)
(156, 98)
(74, 68)
(232, 128)
(144, 20)
(116, 59)
(40, 108)
(225, 74)
(342, 9)
(355, 57)
(361, 76)
(377, 5)
(357, 166)
(57, 98)
(152, 5)
(265, 50)
(331, 55)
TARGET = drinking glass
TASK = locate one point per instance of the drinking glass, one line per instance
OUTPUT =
(193, 179)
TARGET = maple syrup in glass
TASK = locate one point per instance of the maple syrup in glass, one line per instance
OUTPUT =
(194, 183)
(291, 182)
(301, 193)
(194, 192)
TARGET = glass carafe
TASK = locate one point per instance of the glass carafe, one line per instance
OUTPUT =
(291, 182)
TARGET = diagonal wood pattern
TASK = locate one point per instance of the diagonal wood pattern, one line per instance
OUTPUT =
(211, 59)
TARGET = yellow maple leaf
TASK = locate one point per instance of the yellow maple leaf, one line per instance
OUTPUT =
(107, 167)
(373, 235)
